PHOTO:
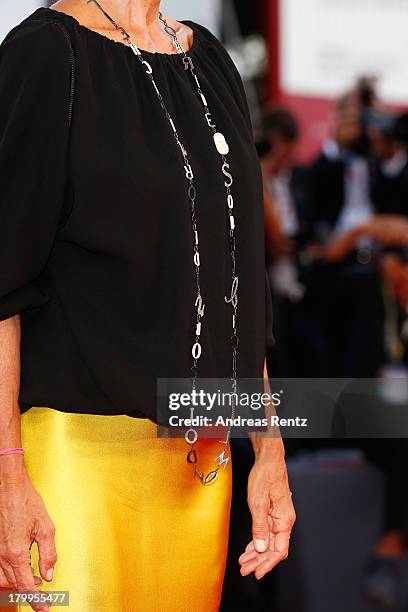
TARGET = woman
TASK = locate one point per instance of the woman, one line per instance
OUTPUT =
(126, 220)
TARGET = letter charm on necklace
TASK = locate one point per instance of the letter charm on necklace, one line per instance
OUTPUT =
(200, 306)
(188, 63)
(225, 167)
(192, 456)
(209, 478)
(233, 299)
(189, 172)
(222, 460)
(209, 120)
(149, 69)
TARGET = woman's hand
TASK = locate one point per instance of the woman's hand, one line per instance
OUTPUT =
(23, 520)
(270, 503)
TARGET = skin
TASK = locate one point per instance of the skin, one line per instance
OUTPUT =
(382, 147)
(282, 155)
(275, 242)
(347, 128)
(138, 17)
(279, 160)
(396, 274)
(23, 515)
(389, 230)
(270, 503)
(392, 545)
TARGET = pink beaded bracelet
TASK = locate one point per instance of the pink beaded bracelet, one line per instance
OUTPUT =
(12, 451)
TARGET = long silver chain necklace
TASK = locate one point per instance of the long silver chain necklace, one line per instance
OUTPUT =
(191, 435)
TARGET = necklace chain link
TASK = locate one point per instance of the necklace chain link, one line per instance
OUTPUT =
(191, 435)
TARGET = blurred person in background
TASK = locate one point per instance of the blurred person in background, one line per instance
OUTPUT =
(386, 572)
(396, 270)
(388, 138)
(385, 575)
(389, 141)
(387, 230)
(286, 225)
(385, 580)
(358, 188)
(350, 306)
(387, 234)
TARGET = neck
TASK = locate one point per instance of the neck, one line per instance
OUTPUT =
(134, 14)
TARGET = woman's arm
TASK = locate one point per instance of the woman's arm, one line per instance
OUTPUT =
(23, 517)
(275, 241)
(34, 161)
(274, 238)
(270, 503)
(10, 436)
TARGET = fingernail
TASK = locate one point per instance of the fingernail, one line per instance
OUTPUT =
(49, 574)
(260, 545)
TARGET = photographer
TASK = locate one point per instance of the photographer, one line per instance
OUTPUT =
(350, 304)
(389, 141)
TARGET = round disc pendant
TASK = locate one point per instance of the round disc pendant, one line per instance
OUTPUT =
(221, 144)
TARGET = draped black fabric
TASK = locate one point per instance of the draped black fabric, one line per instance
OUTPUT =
(95, 226)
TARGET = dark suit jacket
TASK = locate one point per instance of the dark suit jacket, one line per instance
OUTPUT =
(390, 194)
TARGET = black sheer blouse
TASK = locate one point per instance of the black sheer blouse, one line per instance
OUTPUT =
(95, 227)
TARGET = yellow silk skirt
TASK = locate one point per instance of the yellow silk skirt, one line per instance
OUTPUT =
(135, 531)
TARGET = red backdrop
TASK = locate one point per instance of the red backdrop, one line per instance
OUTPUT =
(312, 113)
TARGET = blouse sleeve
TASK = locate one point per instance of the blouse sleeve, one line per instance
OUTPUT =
(238, 90)
(230, 70)
(35, 81)
(270, 338)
